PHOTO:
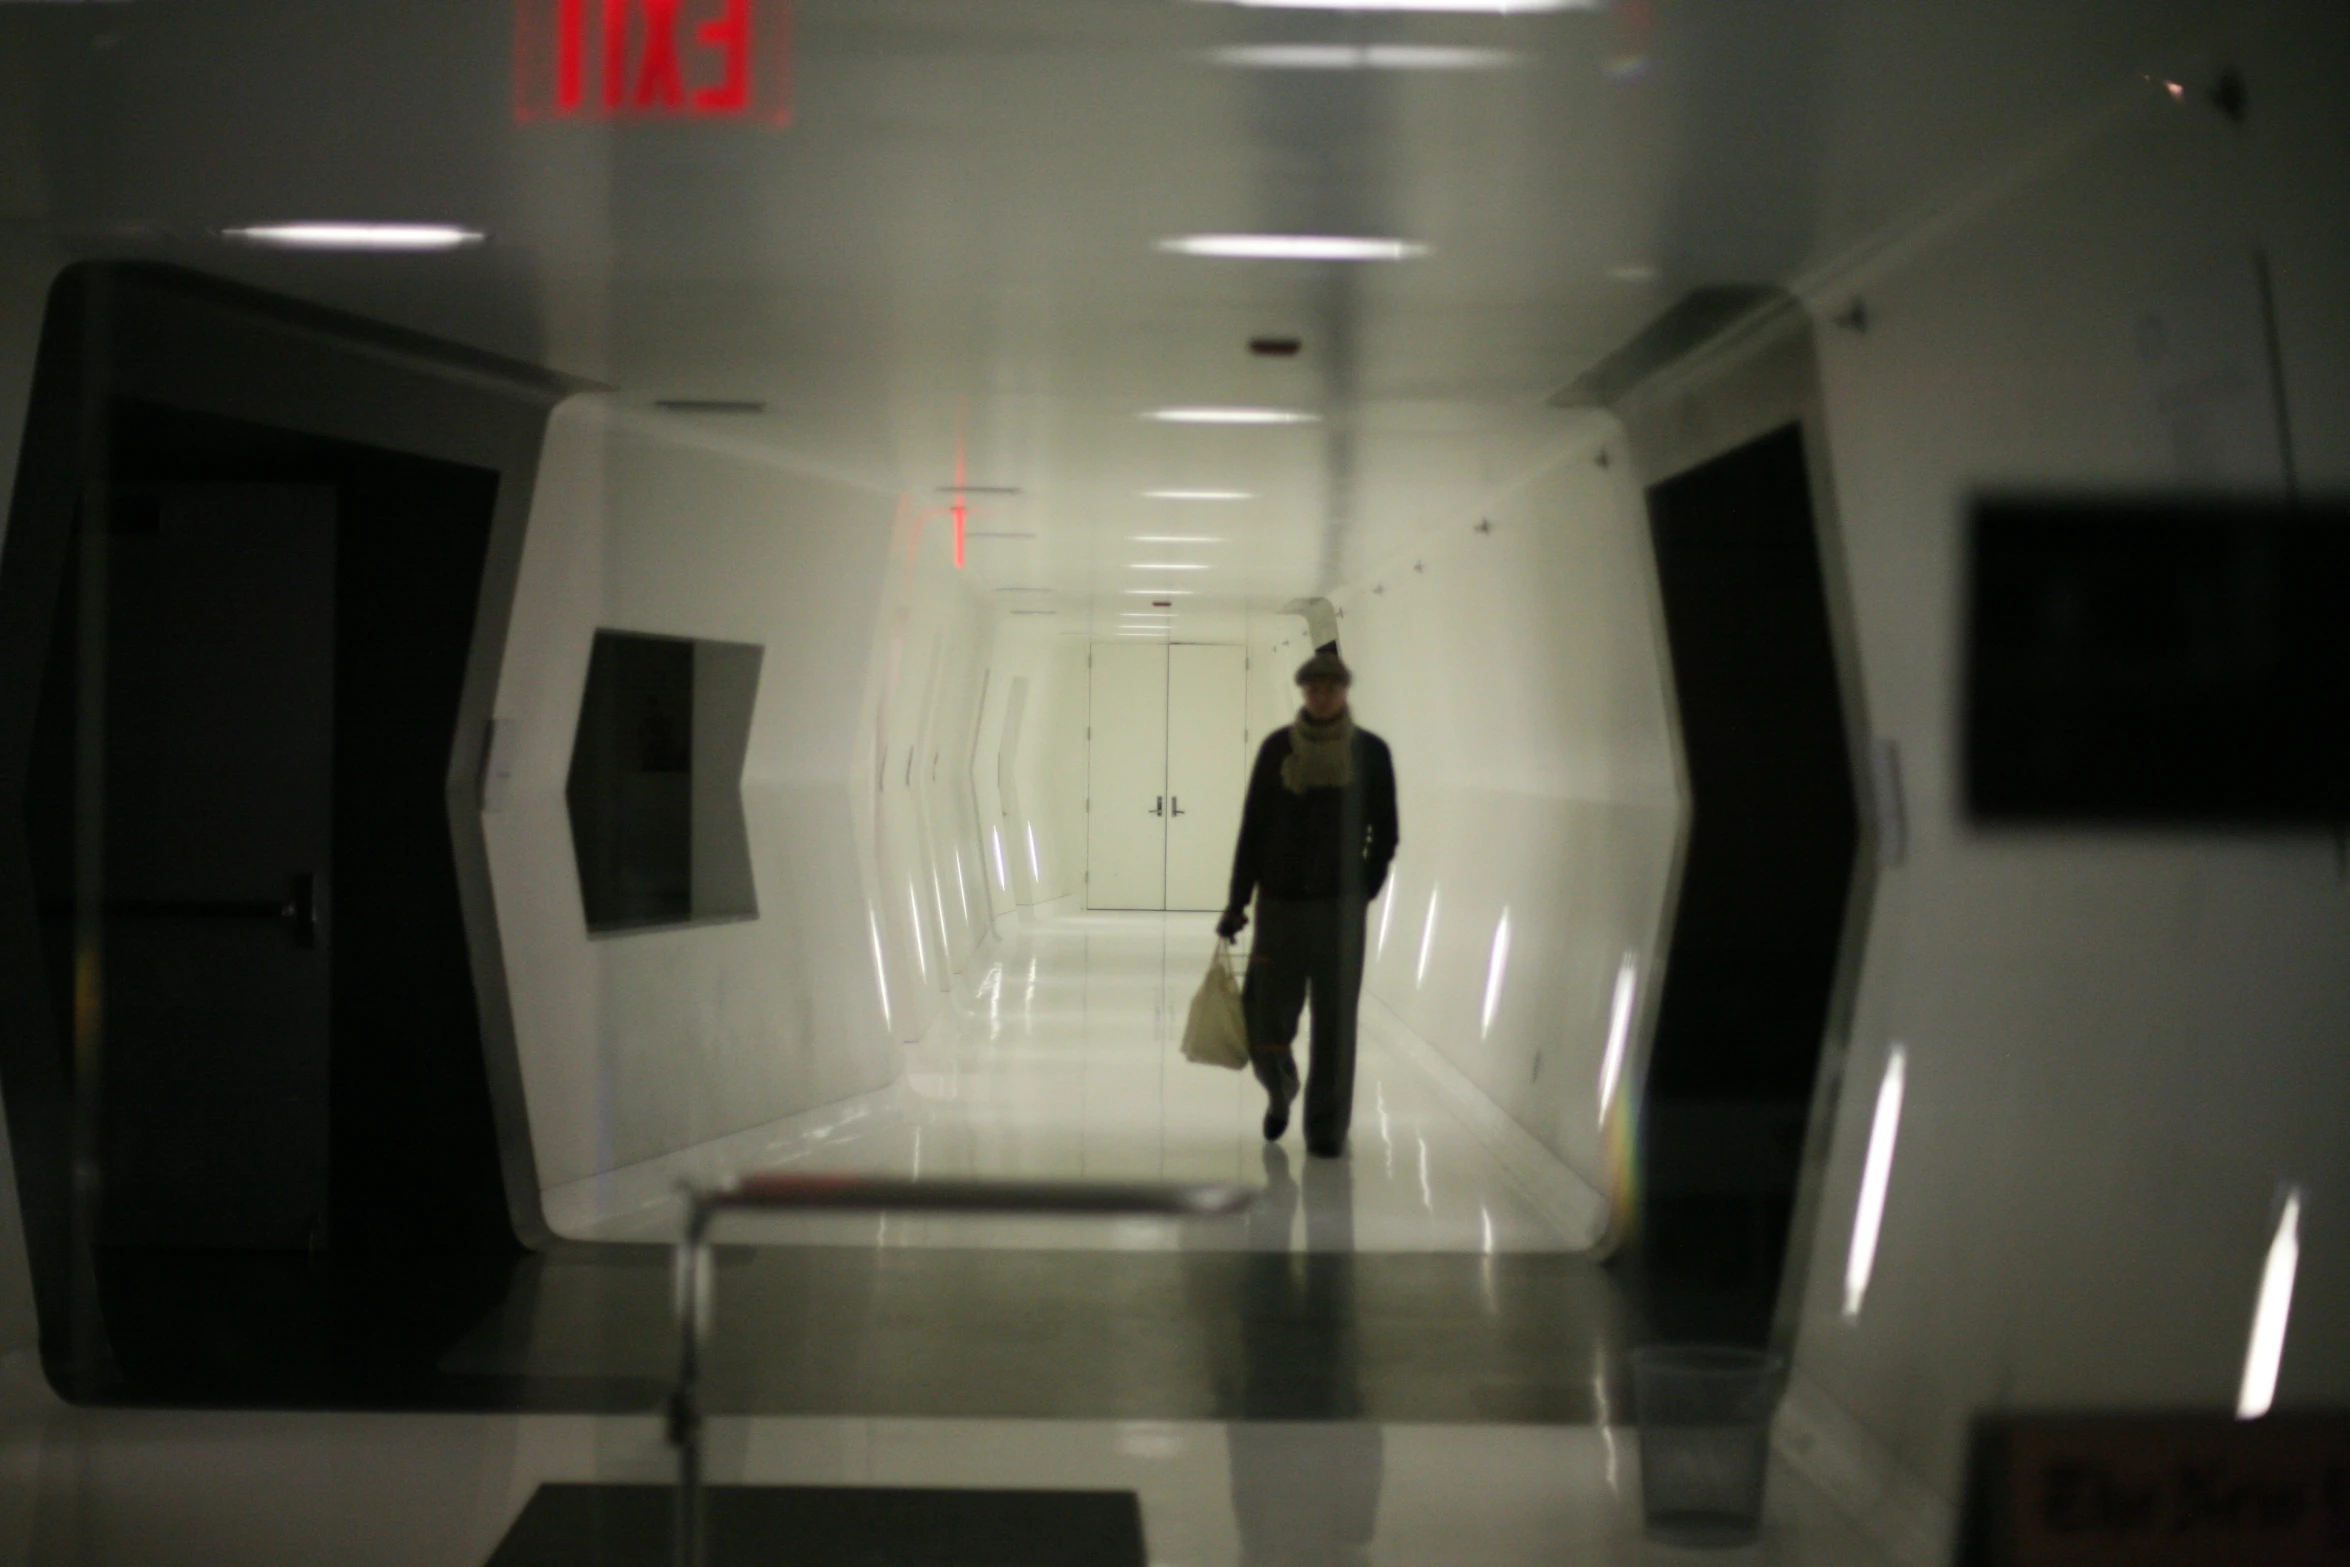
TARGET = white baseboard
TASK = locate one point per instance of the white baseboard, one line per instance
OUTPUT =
(1814, 1435)
(1570, 1203)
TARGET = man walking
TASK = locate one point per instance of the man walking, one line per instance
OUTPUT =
(1315, 840)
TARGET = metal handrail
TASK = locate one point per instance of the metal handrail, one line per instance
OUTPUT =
(772, 1192)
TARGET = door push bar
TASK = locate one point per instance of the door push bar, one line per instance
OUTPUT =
(773, 1193)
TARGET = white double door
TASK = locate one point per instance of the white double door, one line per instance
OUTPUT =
(1168, 774)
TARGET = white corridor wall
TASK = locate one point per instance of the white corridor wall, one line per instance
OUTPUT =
(2117, 1043)
(640, 1046)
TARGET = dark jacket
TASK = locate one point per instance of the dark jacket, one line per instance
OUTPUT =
(1325, 843)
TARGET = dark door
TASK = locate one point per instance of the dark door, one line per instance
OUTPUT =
(1765, 880)
(219, 812)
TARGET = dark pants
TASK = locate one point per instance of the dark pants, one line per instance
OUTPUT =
(1307, 949)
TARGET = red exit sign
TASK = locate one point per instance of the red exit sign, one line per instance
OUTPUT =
(653, 59)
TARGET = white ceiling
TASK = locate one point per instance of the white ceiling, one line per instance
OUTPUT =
(952, 248)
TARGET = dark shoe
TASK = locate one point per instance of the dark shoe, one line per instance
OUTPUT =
(1277, 1106)
(1325, 1147)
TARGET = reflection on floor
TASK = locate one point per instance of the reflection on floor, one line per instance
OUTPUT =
(1058, 1057)
(1395, 1358)
(124, 1488)
(1212, 1335)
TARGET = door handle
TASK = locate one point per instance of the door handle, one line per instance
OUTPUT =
(1175, 804)
(300, 910)
(1159, 806)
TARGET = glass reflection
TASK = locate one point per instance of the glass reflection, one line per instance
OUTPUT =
(1303, 1494)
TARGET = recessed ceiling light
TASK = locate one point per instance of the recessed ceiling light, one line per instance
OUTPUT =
(357, 236)
(1233, 416)
(1197, 495)
(1293, 247)
(1361, 57)
(1174, 538)
(1496, 7)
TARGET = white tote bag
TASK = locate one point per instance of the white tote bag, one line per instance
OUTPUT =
(1216, 1034)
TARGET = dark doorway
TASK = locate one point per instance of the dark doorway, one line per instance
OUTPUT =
(263, 1100)
(1767, 874)
(299, 1189)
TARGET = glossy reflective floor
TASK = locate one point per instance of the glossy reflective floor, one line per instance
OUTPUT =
(1058, 1056)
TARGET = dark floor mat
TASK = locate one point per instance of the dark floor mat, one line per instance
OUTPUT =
(830, 1526)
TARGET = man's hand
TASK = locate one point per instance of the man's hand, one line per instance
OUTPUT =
(1232, 924)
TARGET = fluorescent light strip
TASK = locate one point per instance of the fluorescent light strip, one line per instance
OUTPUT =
(2273, 1313)
(1361, 57)
(1293, 247)
(404, 237)
(1158, 593)
(1198, 495)
(1876, 1174)
(1168, 565)
(1488, 7)
(1233, 416)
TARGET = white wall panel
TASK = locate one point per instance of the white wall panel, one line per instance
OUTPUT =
(2117, 1043)
(1041, 837)
(645, 1045)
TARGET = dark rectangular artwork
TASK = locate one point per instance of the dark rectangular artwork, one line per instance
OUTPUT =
(2166, 661)
(830, 1526)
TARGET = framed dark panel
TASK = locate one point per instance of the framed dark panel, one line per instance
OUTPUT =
(655, 787)
(2158, 661)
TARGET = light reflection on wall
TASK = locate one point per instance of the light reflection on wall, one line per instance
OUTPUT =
(1427, 939)
(2273, 1312)
(1619, 1032)
(1876, 1175)
(880, 966)
(1496, 971)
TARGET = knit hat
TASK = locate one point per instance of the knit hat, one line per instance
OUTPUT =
(1326, 665)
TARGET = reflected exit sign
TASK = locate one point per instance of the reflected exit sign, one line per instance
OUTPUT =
(653, 59)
